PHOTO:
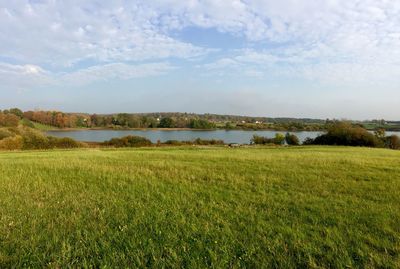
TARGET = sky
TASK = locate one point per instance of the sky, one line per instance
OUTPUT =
(286, 58)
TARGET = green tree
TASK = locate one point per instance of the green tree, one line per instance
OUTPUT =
(167, 123)
(201, 124)
(279, 139)
(17, 112)
(292, 139)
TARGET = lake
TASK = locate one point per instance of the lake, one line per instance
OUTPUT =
(228, 136)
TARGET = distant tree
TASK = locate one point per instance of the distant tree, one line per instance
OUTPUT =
(95, 120)
(201, 124)
(167, 123)
(122, 119)
(133, 121)
(81, 121)
(149, 122)
(229, 126)
(17, 112)
(59, 120)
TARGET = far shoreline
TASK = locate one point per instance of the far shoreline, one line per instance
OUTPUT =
(171, 129)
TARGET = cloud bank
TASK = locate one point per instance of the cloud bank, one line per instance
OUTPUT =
(333, 43)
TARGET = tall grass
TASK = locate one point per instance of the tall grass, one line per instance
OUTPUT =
(309, 207)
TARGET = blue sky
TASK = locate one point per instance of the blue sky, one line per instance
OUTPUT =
(297, 58)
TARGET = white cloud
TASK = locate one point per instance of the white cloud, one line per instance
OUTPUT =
(10, 69)
(24, 77)
(65, 32)
(21, 77)
(114, 71)
(62, 33)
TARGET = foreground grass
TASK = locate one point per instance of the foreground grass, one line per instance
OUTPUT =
(209, 207)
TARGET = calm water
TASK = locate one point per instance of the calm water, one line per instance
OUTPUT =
(231, 136)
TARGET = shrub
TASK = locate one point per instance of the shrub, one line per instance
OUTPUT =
(33, 139)
(308, 141)
(11, 143)
(4, 133)
(199, 141)
(292, 139)
(8, 120)
(279, 139)
(260, 140)
(64, 143)
(128, 141)
(392, 142)
(175, 142)
(345, 134)
(27, 138)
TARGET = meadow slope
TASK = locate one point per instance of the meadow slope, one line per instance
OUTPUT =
(201, 207)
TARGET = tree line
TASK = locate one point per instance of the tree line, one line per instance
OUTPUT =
(59, 119)
(153, 120)
(122, 120)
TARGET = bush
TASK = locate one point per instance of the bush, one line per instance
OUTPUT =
(279, 139)
(64, 143)
(4, 133)
(392, 142)
(175, 142)
(292, 139)
(199, 141)
(8, 120)
(11, 143)
(33, 139)
(308, 141)
(260, 140)
(27, 138)
(128, 141)
(345, 134)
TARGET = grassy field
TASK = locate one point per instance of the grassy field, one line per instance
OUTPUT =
(314, 207)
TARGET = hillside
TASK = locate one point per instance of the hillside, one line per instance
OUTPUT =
(201, 207)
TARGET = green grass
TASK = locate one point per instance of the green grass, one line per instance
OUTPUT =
(315, 207)
(43, 127)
